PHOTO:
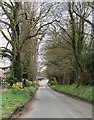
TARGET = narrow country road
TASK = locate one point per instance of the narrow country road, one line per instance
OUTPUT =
(50, 104)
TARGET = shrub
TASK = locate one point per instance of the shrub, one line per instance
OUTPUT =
(35, 83)
(6, 85)
(11, 80)
(28, 83)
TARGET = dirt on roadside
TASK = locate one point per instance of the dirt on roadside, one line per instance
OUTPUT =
(23, 109)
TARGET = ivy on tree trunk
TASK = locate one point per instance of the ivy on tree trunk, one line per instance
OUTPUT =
(17, 68)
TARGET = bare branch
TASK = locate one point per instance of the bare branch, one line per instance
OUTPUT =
(6, 37)
(41, 28)
(7, 13)
(64, 30)
(84, 18)
(6, 55)
(5, 23)
(4, 49)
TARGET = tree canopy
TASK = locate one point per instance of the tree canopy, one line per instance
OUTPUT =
(68, 49)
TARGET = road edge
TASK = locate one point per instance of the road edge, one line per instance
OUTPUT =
(19, 111)
(74, 96)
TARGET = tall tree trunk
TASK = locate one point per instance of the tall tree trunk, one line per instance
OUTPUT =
(17, 72)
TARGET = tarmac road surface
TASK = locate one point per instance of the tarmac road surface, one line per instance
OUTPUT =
(50, 104)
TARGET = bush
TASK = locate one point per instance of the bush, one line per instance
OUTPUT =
(35, 83)
(6, 85)
(28, 83)
(11, 80)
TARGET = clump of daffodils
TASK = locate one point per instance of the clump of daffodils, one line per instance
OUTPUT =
(17, 87)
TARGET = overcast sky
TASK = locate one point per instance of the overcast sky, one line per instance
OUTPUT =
(3, 62)
(52, 0)
(3, 42)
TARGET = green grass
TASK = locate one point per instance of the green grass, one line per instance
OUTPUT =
(14, 99)
(84, 92)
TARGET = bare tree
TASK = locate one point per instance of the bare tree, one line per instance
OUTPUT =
(23, 25)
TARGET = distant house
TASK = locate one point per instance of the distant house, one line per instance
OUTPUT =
(39, 78)
(2, 76)
(4, 73)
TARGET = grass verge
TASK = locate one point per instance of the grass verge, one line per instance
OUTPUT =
(14, 99)
(83, 92)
